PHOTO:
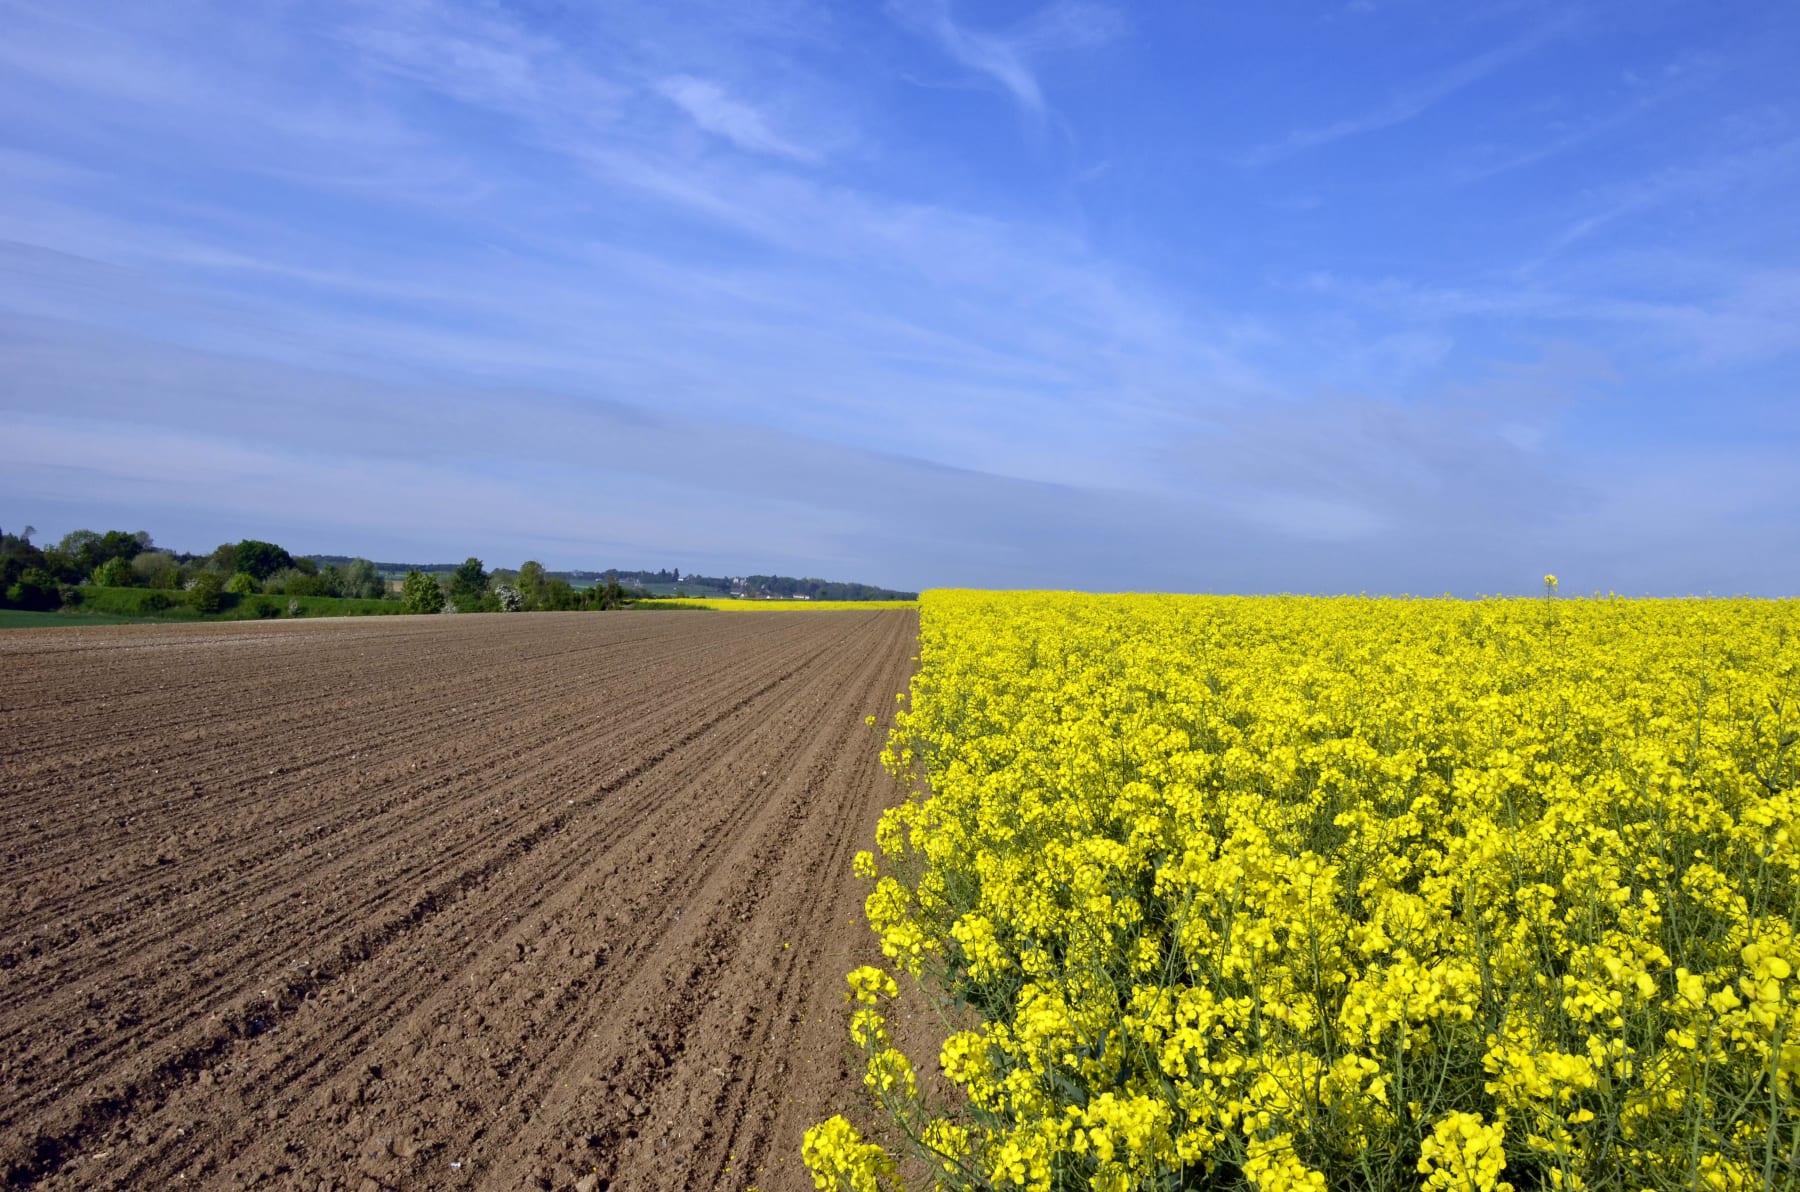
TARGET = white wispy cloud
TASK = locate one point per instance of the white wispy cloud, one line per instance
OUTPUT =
(1679, 79)
(1008, 58)
(1407, 103)
(467, 55)
(1711, 178)
(714, 109)
(1723, 315)
(39, 168)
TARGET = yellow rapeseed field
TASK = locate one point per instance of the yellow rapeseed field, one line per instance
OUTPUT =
(1294, 893)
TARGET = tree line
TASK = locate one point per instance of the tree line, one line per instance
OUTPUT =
(45, 578)
(471, 588)
(53, 577)
(761, 587)
(786, 587)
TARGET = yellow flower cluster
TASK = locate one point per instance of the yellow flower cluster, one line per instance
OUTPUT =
(1296, 893)
(839, 1158)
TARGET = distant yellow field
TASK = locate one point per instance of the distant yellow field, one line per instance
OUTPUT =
(758, 606)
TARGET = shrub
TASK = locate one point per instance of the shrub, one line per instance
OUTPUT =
(363, 581)
(293, 581)
(260, 559)
(204, 593)
(421, 594)
(115, 573)
(156, 569)
(241, 584)
(329, 581)
(36, 589)
(468, 584)
(559, 596)
(611, 596)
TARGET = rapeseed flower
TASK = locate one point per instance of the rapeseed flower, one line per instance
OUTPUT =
(1374, 894)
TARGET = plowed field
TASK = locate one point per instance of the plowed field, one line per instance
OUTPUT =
(558, 900)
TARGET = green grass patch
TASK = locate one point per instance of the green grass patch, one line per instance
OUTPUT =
(18, 618)
(153, 604)
(132, 603)
(251, 608)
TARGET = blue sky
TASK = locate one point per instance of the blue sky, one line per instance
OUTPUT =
(1386, 296)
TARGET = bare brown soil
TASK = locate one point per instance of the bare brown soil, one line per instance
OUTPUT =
(556, 901)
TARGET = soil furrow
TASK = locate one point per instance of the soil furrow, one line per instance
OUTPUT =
(65, 924)
(225, 1026)
(499, 863)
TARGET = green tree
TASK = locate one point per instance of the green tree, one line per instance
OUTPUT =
(532, 583)
(362, 581)
(260, 559)
(16, 555)
(558, 595)
(468, 585)
(115, 573)
(36, 589)
(610, 596)
(241, 584)
(81, 551)
(156, 569)
(294, 581)
(421, 594)
(203, 594)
